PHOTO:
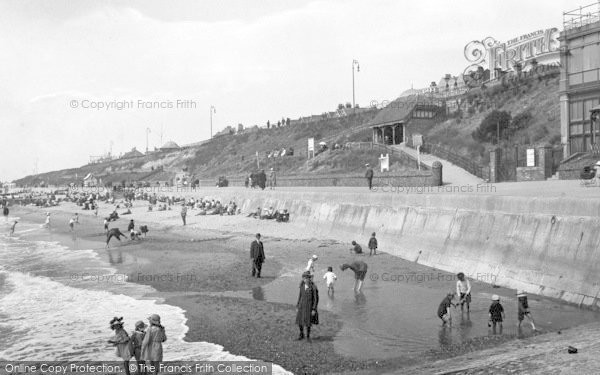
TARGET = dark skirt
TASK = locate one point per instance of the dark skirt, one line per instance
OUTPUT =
(307, 302)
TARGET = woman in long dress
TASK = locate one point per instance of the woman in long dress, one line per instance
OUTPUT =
(306, 307)
(152, 350)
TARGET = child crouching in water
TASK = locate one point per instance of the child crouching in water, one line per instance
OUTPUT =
(444, 309)
(330, 278)
(496, 313)
(524, 309)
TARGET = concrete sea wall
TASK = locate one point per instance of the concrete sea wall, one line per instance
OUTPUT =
(546, 246)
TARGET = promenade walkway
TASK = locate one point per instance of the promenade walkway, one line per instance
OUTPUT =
(451, 174)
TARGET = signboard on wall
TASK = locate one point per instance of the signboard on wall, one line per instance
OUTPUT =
(384, 162)
(531, 157)
(417, 140)
(541, 45)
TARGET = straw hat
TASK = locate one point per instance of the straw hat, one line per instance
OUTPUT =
(315, 257)
(116, 322)
(521, 293)
(154, 318)
(495, 297)
(140, 324)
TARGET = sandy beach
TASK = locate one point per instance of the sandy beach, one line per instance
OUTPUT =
(185, 263)
(204, 268)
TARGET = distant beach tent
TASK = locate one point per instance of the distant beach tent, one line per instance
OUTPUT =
(90, 180)
(170, 146)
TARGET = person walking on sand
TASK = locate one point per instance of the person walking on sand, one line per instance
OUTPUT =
(131, 226)
(152, 350)
(496, 313)
(12, 228)
(272, 179)
(463, 291)
(121, 341)
(47, 222)
(360, 271)
(306, 307)
(137, 338)
(524, 309)
(183, 212)
(330, 279)
(257, 255)
(310, 267)
(373, 245)
(369, 176)
(444, 309)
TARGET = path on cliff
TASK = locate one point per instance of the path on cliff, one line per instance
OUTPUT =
(451, 174)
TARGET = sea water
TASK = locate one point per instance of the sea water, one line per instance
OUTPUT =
(50, 310)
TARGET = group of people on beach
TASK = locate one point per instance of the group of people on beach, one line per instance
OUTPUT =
(308, 296)
(496, 313)
(145, 345)
(260, 180)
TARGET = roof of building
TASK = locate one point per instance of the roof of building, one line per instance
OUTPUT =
(170, 145)
(132, 154)
(396, 111)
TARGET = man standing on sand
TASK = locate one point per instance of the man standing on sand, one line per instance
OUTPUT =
(257, 254)
(369, 176)
(183, 212)
(272, 179)
(12, 229)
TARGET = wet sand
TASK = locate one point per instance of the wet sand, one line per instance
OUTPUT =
(204, 268)
(181, 265)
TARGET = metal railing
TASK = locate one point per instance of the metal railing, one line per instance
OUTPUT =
(581, 16)
(456, 159)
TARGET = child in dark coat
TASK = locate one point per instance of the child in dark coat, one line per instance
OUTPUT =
(496, 313)
(137, 337)
(373, 245)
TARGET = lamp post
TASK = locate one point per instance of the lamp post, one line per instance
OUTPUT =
(147, 132)
(354, 63)
(212, 110)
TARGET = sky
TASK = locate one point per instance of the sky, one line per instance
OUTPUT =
(82, 78)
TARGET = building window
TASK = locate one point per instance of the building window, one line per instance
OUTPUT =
(576, 129)
(576, 111)
(575, 60)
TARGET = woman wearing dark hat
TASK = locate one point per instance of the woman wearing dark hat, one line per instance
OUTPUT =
(306, 308)
(137, 338)
(121, 341)
(152, 350)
